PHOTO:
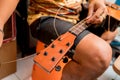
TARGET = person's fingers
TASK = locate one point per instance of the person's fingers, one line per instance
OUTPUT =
(93, 16)
(98, 16)
(90, 14)
(98, 13)
(90, 11)
(98, 20)
(103, 16)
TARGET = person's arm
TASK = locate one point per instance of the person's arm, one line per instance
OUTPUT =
(6, 9)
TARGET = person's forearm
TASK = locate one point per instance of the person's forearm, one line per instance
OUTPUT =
(6, 9)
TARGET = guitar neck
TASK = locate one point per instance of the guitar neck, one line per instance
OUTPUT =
(78, 28)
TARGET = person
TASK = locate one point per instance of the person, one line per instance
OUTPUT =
(92, 54)
(6, 9)
(48, 19)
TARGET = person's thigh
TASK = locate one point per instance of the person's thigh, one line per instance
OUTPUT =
(49, 28)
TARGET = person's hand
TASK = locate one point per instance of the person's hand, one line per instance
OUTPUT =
(97, 11)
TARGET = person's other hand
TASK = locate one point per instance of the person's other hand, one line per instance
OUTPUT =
(97, 11)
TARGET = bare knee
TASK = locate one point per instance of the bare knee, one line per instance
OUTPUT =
(103, 57)
(94, 54)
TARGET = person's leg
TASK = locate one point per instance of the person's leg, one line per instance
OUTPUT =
(92, 57)
(47, 29)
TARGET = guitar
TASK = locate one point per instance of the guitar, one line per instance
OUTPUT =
(49, 61)
(50, 56)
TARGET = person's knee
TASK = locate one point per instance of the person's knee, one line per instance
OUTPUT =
(103, 59)
(93, 53)
(104, 55)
